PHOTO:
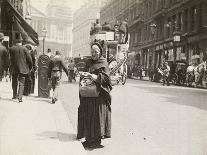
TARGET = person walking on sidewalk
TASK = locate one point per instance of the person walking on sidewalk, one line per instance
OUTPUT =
(71, 68)
(166, 73)
(94, 113)
(21, 65)
(49, 53)
(54, 74)
(30, 78)
(4, 58)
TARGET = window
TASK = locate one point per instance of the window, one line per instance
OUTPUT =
(193, 18)
(185, 21)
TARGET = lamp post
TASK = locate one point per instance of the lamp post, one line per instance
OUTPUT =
(176, 40)
(153, 28)
(44, 34)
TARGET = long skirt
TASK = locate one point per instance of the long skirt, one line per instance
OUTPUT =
(94, 118)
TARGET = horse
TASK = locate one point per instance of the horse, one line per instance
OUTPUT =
(195, 74)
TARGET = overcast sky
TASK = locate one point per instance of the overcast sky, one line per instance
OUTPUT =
(41, 4)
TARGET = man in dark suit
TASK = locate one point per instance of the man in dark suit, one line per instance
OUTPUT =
(21, 64)
(4, 58)
(30, 78)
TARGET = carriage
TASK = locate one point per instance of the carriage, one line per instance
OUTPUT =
(178, 73)
(115, 43)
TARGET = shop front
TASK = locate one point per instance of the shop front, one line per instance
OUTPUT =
(13, 24)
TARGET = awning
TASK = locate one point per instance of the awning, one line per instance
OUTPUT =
(28, 34)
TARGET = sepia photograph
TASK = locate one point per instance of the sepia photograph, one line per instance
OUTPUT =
(103, 77)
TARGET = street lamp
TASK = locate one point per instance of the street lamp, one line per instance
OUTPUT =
(176, 40)
(153, 28)
(44, 34)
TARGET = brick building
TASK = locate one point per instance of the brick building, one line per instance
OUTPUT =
(172, 30)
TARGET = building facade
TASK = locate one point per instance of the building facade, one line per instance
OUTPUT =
(162, 30)
(83, 19)
(57, 21)
(14, 20)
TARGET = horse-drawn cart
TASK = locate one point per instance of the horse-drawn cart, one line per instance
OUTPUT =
(115, 42)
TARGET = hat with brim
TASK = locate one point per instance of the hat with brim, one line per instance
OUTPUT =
(97, 45)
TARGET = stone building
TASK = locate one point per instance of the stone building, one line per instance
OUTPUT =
(162, 30)
(57, 21)
(83, 19)
(15, 20)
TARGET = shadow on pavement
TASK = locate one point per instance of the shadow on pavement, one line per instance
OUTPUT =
(36, 98)
(190, 97)
(7, 99)
(64, 137)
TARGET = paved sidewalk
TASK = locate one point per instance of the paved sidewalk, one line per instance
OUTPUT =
(35, 127)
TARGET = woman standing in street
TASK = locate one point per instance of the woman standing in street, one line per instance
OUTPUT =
(94, 113)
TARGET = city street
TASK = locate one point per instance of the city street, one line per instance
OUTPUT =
(150, 119)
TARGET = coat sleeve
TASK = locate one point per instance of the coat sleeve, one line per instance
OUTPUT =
(29, 59)
(6, 60)
(64, 67)
(33, 60)
(50, 68)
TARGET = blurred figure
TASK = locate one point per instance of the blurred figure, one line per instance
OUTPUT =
(21, 64)
(4, 59)
(71, 69)
(141, 72)
(151, 72)
(54, 74)
(49, 53)
(166, 73)
(30, 78)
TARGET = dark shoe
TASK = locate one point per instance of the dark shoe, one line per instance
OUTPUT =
(85, 144)
(14, 98)
(20, 100)
(54, 100)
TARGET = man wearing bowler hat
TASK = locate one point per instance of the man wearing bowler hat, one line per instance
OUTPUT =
(21, 64)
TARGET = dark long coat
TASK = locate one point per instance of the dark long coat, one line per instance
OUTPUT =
(94, 113)
(21, 61)
(4, 60)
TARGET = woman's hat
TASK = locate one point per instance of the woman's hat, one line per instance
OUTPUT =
(98, 45)
(1, 36)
